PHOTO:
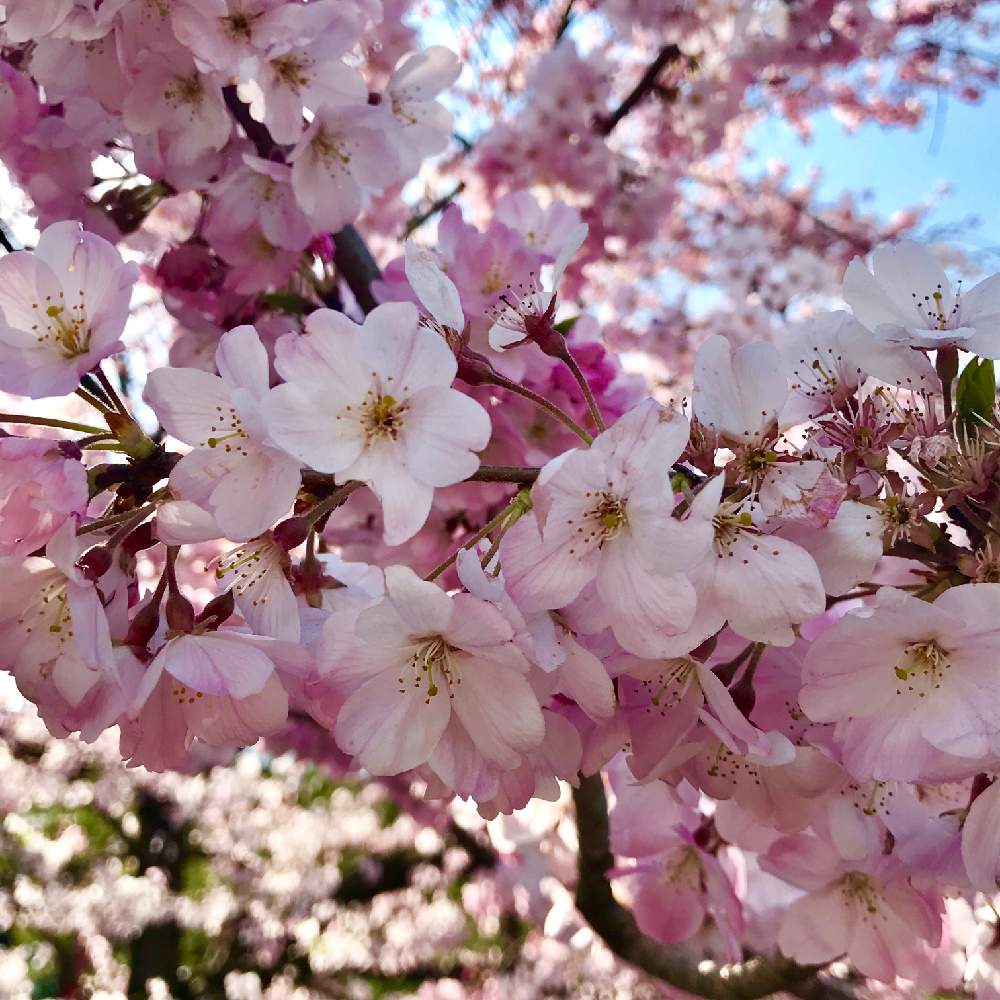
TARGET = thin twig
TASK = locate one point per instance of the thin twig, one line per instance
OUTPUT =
(545, 404)
(666, 55)
(504, 474)
(437, 206)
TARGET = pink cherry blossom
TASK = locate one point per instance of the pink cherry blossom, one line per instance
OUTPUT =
(343, 158)
(41, 486)
(62, 309)
(910, 684)
(233, 472)
(865, 910)
(906, 298)
(424, 123)
(170, 96)
(604, 515)
(421, 658)
(392, 420)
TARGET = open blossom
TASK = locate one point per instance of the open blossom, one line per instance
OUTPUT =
(907, 298)
(244, 482)
(913, 685)
(374, 403)
(759, 582)
(343, 158)
(41, 485)
(166, 716)
(258, 195)
(831, 355)
(63, 307)
(421, 659)
(53, 625)
(864, 909)
(290, 79)
(605, 517)
(171, 98)
(528, 312)
(424, 123)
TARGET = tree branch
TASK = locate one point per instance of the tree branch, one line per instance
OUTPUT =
(666, 55)
(758, 977)
(356, 265)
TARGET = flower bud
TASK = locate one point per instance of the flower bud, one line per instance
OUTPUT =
(180, 613)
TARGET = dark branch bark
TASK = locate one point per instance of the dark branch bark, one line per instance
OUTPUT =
(666, 55)
(758, 977)
(504, 474)
(356, 266)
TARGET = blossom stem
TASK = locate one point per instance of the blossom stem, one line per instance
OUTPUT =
(96, 403)
(947, 368)
(518, 506)
(333, 501)
(581, 381)
(545, 404)
(138, 515)
(67, 425)
(109, 390)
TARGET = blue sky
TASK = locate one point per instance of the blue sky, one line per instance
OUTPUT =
(958, 144)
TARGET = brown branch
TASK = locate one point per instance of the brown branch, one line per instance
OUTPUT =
(647, 83)
(758, 977)
(504, 474)
(438, 206)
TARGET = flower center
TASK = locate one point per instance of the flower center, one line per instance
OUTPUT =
(684, 868)
(856, 887)
(65, 329)
(729, 525)
(290, 70)
(185, 90)
(667, 690)
(922, 668)
(382, 416)
(329, 147)
(226, 431)
(432, 668)
(238, 26)
(931, 308)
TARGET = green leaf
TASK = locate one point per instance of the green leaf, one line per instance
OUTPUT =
(564, 326)
(975, 394)
(288, 302)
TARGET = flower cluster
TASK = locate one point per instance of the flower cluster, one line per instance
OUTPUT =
(429, 526)
(172, 96)
(779, 598)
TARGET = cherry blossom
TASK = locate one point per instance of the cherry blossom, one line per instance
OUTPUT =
(420, 659)
(909, 685)
(393, 421)
(42, 484)
(907, 298)
(243, 481)
(63, 308)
